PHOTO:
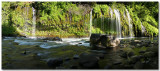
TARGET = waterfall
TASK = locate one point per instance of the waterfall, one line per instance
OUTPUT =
(118, 23)
(142, 28)
(90, 22)
(111, 14)
(130, 25)
(34, 23)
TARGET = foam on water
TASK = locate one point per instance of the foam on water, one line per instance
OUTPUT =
(50, 44)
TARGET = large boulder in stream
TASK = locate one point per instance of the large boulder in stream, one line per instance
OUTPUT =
(94, 39)
(104, 40)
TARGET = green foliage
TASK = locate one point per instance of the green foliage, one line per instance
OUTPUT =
(55, 18)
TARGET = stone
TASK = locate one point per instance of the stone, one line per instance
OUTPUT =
(52, 39)
(88, 61)
(130, 54)
(117, 63)
(135, 59)
(57, 39)
(138, 65)
(107, 67)
(60, 68)
(149, 54)
(67, 59)
(54, 62)
(15, 43)
(74, 67)
(94, 39)
(142, 51)
(101, 56)
(76, 56)
(126, 54)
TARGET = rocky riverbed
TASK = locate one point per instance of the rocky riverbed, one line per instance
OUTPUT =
(135, 53)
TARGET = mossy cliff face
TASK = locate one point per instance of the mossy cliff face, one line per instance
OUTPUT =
(72, 19)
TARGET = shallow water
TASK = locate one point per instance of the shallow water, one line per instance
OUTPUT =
(68, 48)
(50, 44)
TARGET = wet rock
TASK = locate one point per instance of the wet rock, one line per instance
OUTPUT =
(52, 39)
(76, 56)
(101, 56)
(54, 62)
(105, 40)
(137, 41)
(60, 68)
(88, 61)
(130, 54)
(74, 67)
(109, 41)
(57, 39)
(117, 63)
(128, 66)
(149, 54)
(107, 67)
(15, 43)
(98, 51)
(153, 49)
(142, 51)
(127, 54)
(67, 59)
(135, 59)
(138, 65)
(94, 39)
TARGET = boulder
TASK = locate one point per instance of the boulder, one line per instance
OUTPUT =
(88, 61)
(57, 39)
(104, 40)
(76, 56)
(54, 62)
(135, 59)
(94, 39)
(107, 67)
(138, 65)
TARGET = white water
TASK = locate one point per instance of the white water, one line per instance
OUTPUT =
(111, 14)
(142, 28)
(90, 22)
(34, 24)
(130, 25)
(118, 23)
(52, 44)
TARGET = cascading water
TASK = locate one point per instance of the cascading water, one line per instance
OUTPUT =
(90, 22)
(111, 14)
(142, 28)
(118, 23)
(129, 22)
(34, 23)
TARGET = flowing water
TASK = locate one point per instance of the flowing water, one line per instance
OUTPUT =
(142, 28)
(34, 24)
(111, 14)
(130, 25)
(118, 23)
(51, 44)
